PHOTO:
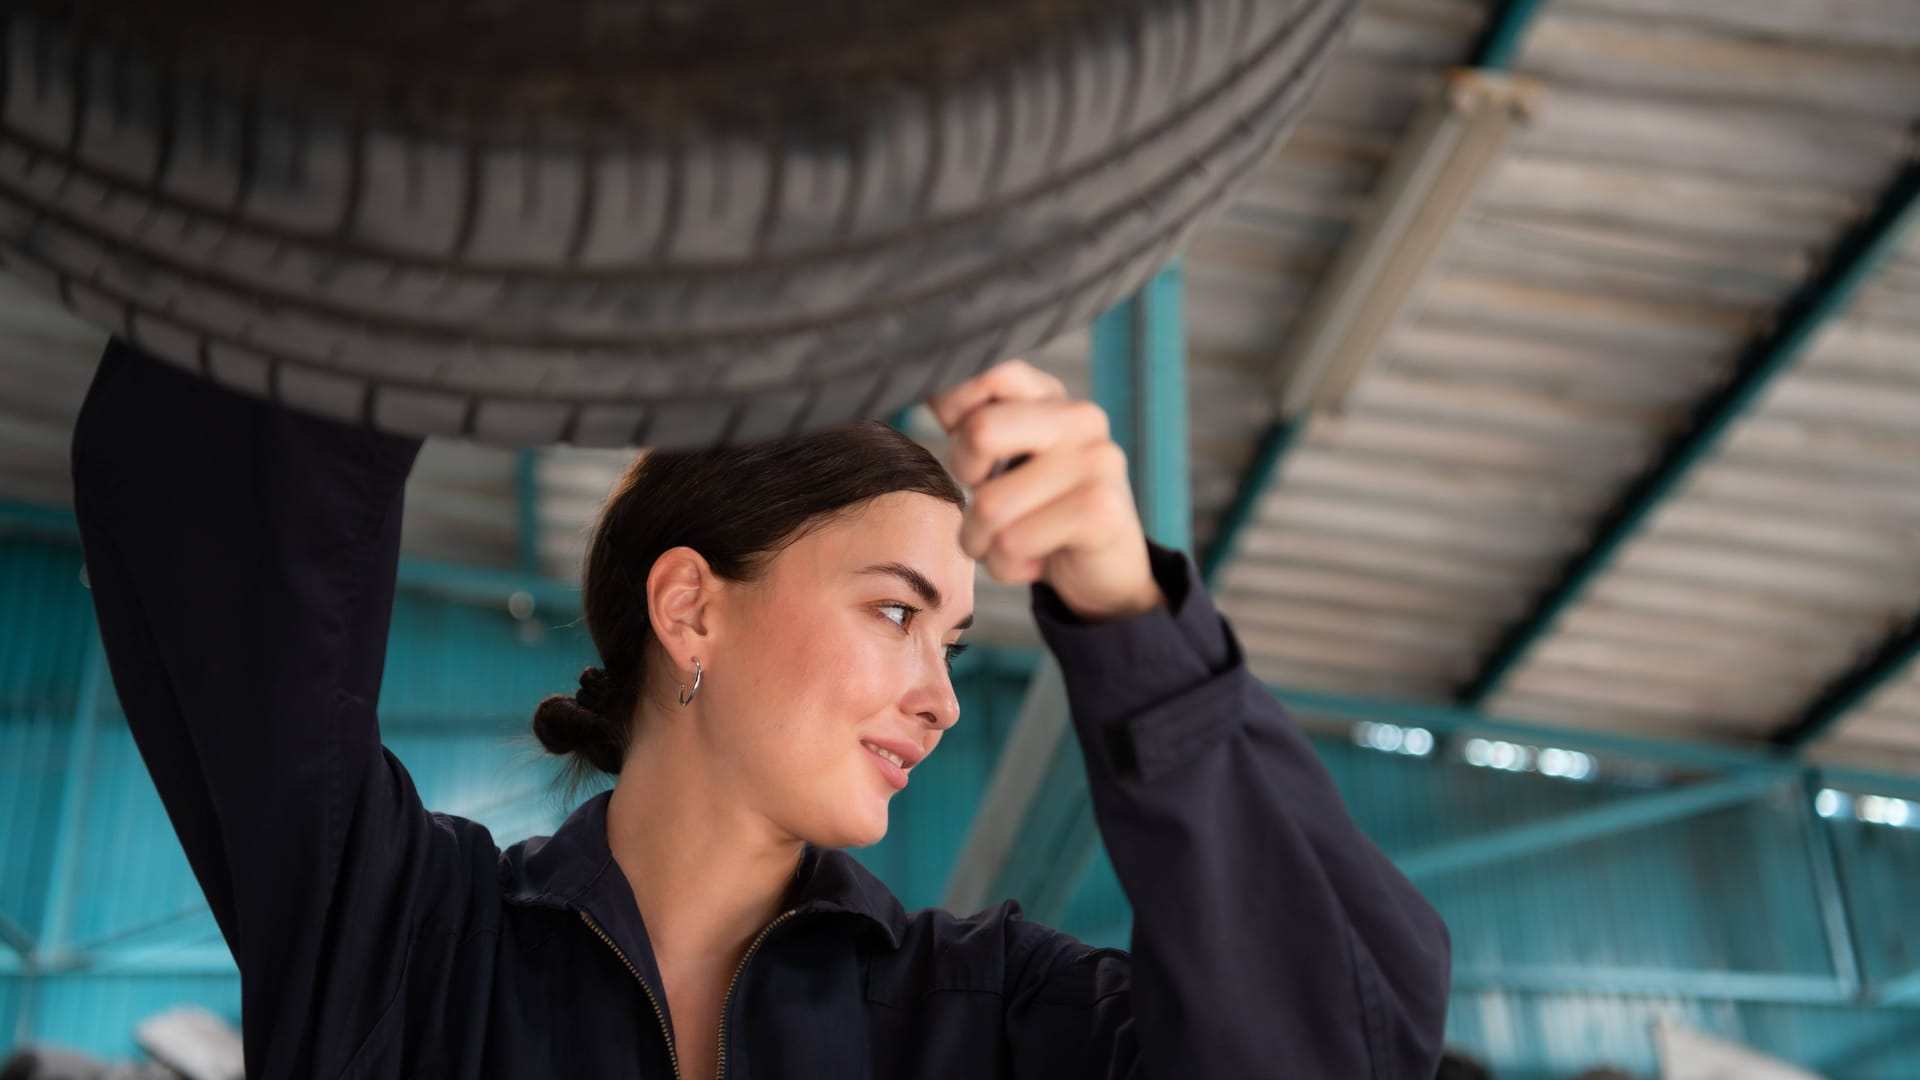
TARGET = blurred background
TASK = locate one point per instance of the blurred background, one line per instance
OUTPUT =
(1545, 416)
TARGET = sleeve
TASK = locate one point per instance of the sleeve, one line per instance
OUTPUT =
(242, 559)
(1271, 937)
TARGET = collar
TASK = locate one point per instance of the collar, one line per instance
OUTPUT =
(574, 870)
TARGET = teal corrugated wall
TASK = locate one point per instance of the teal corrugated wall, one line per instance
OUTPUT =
(1728, 891)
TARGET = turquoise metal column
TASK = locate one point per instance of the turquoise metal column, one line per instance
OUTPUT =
(1139, 376)
(1829, 887)
(526, 490)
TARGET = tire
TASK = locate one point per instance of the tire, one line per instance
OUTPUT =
(620, 223)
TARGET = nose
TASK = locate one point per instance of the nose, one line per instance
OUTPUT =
(933, 700)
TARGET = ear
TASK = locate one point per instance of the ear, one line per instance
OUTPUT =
(681, 590)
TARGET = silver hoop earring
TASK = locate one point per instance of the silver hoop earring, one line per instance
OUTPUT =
(686, 695)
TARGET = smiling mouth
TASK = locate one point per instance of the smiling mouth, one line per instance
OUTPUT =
(893, 768)
(898, 761)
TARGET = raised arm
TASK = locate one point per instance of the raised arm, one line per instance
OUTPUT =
(242, 561)
(1271, 937)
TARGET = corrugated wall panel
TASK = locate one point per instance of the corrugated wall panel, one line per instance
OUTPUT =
(97, 1014)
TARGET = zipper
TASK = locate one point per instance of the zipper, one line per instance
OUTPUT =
(673, 1054)
(726, 1003)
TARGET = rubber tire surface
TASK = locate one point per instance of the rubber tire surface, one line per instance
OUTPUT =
(738, 261)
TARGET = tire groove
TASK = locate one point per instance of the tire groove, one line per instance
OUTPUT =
(676, 174)
(952, 343)
(1003, 143)
(856, 185)
(776, 139)
(356, 148)
(1290, 85)
(935, 152)
(586, 206)
(473, 173)
(1166, 126)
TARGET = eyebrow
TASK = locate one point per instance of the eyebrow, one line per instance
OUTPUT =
(917, 581)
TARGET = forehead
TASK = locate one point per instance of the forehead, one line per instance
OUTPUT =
(904, 527)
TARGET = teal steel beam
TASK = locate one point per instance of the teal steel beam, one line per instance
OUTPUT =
(1829, 887)
(1877, 669)
(192, 923)
(1868, 782)
(478, 585)
(162, 960)
(526, 499)
(1275, 444)
(1902, 990)
(1748, 986)
(486, 587)
(1852, 262)
(1452, 720)
(1501, 40)
(1581, 826)
(15, 937)
(76, 798)
(35, 519)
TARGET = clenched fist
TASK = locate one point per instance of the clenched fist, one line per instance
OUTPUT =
(1065, 514)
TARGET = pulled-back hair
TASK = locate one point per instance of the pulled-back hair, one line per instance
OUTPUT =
(738, 507)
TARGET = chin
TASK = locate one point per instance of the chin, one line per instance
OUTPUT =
(860, 832)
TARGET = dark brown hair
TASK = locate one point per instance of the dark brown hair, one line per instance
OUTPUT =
(738, 507)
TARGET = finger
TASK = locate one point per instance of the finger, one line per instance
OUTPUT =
(1001, 501)
(1006, 429)
(1013, 380)
(1065, 522)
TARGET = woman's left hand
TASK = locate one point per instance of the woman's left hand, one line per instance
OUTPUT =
(1065, 516)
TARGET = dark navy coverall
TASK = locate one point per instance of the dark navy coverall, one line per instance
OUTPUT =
(243, 562)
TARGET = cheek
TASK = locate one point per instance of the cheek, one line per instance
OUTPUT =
(817, 682)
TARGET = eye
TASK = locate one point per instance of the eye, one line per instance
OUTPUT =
(907, 612)
(953, 653)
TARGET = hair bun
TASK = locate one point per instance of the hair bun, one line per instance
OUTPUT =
(565, 726)
(595, 693)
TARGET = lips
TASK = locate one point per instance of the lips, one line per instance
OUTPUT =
(893, 759)
(908, 753)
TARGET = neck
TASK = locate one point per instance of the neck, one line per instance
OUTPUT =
(706, 871)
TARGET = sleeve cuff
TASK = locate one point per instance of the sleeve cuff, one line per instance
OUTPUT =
(1114, 670)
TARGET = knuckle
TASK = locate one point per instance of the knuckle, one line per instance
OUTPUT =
(988, 507)
(1099, 500)
(1093, 418)
(1007, 547)
(977, 428)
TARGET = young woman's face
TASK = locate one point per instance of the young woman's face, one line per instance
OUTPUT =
(842, 648)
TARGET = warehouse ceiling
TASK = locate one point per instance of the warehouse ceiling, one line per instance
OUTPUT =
(1469, 519)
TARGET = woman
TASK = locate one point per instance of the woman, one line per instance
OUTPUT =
(774, 628)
